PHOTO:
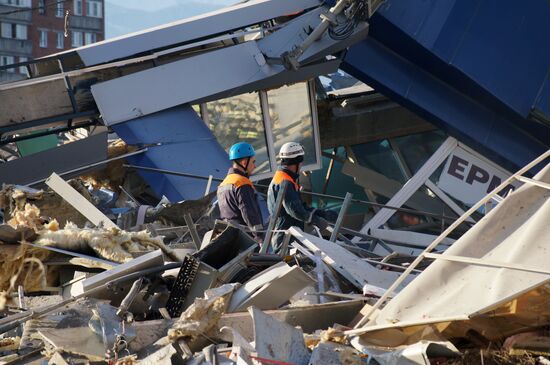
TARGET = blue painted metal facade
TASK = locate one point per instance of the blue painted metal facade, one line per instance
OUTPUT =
(177, 140)
(477, 69)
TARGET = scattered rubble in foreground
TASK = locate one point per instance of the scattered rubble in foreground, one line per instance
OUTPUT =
(170, 284)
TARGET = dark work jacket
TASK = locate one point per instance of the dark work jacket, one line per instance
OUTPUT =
(239, 205)
(294, 211)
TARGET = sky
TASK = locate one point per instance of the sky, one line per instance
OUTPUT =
(126, 16)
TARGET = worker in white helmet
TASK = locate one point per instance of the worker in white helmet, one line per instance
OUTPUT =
(295, 212)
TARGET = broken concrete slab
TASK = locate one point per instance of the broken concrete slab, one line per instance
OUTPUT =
(277, 340)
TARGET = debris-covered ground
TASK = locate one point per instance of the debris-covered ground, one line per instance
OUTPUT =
(171, 284)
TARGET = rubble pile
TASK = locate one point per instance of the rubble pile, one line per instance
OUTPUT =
(152, 293)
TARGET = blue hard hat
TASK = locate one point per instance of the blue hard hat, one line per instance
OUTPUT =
(241, 150)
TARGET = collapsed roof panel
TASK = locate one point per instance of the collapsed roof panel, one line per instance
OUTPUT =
(206, 25)
(67, 157)
(475, 70)
(515, 233)
(220, 73)
(178, 140)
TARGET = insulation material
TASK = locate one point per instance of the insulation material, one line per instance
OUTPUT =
(13, 199)
(114, 174)
(204, 314)
(112, 244)
(492, 301)
(22, 265)
(29, 216)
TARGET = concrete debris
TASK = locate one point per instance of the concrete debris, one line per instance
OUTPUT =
(158, 282)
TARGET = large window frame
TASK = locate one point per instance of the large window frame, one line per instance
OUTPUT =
(270, 142)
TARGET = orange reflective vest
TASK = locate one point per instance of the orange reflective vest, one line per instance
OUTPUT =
(281, 175)
(236, 180)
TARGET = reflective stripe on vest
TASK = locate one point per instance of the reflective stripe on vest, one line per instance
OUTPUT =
(281, 175)
(236, 180)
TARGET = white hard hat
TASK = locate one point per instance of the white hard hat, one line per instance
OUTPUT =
(291, 150)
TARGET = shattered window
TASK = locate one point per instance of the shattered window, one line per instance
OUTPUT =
(291, 119)
(418, 148)
(380, 157)
(239, 119)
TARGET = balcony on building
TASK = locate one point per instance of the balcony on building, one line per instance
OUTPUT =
(86, 23)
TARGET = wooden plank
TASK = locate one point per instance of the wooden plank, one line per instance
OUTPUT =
(355, 270)
(278, 291)
(72, 196)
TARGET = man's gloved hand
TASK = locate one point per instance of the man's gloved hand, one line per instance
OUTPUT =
(329, 215)
(321, 223)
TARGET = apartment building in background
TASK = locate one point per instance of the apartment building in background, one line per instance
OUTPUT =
(31, 29)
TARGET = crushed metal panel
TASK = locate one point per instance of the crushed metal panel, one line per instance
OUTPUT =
(283, 78)
(420, 353)
(63, 158)
(255, 283)
(78, 341)
(224, 20)
(357, 271)
(74, 198)
(230, 70)
(293, 33)
(278, 291)
(277, 340)
(515, 232)
(149, 260)
(44, 99)
(310, 318)
(179, 82)
(181, 142)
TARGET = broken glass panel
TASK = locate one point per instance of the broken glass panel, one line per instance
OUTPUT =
(291, 120)
(239, 119)
(380, 157)
(418, 148)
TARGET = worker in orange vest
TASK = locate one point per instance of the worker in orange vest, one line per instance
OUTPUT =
(236, 194)
(295, 212)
